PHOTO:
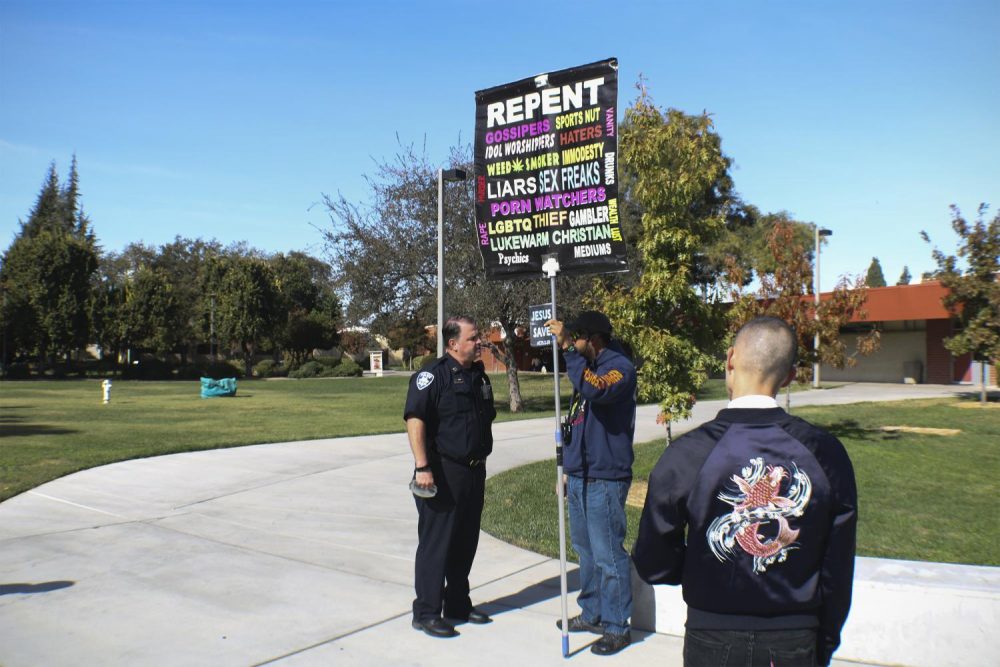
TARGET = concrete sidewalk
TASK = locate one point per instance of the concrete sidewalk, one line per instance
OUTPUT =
(288, 554)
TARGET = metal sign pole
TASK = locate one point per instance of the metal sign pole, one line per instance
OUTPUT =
(551, 268)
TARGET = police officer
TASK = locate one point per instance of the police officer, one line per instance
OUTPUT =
(449, 414)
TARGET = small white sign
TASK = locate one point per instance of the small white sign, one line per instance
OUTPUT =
(376, 362)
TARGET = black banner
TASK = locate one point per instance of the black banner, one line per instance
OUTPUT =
(547, 173)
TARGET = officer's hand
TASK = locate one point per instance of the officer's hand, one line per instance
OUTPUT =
(425, 480)
(557, 329)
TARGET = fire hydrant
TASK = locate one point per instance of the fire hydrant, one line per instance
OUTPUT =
(106, 386)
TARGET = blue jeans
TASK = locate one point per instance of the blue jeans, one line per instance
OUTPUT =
(597, 531)
(737, 648)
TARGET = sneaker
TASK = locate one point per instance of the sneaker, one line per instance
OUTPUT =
(577, 624)
(611, 643)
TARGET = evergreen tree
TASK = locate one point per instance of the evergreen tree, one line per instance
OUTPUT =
(875, 277)
(904, 277)
(46, 274)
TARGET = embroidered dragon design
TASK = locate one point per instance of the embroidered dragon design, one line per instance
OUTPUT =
(757, 502)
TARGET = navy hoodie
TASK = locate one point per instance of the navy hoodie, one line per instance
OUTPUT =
(601, 443)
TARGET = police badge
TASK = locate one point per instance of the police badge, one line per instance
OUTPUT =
(424, 380)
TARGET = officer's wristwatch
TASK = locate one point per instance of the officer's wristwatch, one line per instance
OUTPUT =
(426, 468)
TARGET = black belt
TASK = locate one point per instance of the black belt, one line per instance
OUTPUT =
(469, 463)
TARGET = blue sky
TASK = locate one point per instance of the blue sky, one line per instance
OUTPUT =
(229, 120)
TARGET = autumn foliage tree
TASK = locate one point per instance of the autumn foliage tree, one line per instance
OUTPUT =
(786, 292)
(973, 292)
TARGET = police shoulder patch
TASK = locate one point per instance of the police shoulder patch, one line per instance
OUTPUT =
(424, 380)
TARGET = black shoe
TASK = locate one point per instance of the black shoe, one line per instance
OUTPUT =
(477, 617)
(435, 627)
(611, 643)
(577, 624)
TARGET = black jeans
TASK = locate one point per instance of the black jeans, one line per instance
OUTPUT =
(738, 648)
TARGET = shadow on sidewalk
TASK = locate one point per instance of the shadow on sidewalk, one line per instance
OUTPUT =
(45, 587)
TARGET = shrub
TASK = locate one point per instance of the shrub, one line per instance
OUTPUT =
(18, 371)
(310, 369)
(328, 362)
(218, 370)
(148, 369)
(191, 372)
(268, 368)
(423, 360)
(347, 368)
(103, 368)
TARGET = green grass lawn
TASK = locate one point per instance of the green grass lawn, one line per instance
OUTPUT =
(921, 497)
(715, 389)
(51, 428)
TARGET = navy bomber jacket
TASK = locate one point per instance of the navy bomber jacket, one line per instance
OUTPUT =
(769, 504)
(601, 442)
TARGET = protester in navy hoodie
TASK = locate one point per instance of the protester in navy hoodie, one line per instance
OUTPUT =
(597, 461)
(754, 514)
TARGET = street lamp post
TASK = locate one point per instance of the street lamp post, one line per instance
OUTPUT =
(443, 175)
(820, 231)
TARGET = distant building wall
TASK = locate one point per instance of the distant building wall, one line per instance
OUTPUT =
(888, 364)
(939, 360)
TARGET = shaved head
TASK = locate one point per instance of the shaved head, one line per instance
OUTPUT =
(765, 348)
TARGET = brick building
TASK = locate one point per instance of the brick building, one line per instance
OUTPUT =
(913, 324)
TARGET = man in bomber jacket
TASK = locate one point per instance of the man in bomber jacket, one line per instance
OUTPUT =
(769, 506)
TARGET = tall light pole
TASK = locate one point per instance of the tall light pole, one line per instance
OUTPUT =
(820, 231)
(443, 175)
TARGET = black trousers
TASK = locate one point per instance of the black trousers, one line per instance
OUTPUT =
(738, 648)
(448, 533)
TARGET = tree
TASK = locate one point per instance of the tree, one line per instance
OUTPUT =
(154, 298)
(678, 181)
(875, 277)
(305, 332)
(247, 299)
(786, 292)
(973, 293)
(107, 307)
(383, 256)
(309, 307)
(745, 240)
(46, 274)
(184, 264)
(411, 335)
(150, 312)
(904, 277)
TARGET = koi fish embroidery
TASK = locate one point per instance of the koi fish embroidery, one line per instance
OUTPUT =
(757, 502)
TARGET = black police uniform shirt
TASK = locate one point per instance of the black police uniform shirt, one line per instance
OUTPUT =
(456, 405)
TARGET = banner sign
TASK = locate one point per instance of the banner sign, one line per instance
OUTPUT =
(547, 173)
(537, 317)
